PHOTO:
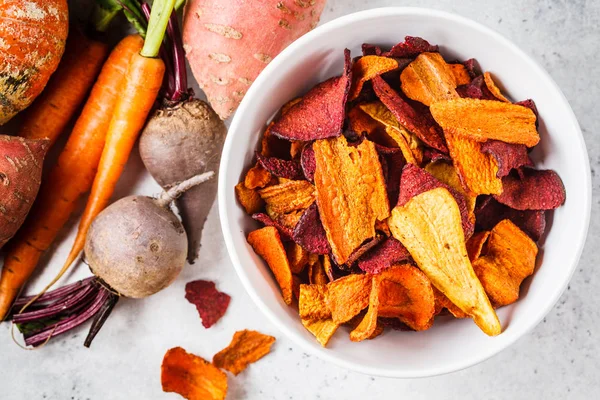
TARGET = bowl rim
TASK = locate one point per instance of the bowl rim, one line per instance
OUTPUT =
(246, 104)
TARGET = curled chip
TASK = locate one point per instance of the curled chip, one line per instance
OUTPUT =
(317, 274)
(508, 156)
(411, 47)
(366, 68)
(461, 75)
(536, 190)
(297, 257)
(309, 232)
(351, 193)
(320, 113)
(493, 88)
(416, 121)
(288, 196)
(308, 163)
(249, 198)
(210, 303)
(245, 348)
(382, 257)
(257, 177)
(267, 244)
(284, 231)
(348, 296)
(272, 146)
(478, 171)
(476, 89)
(446, 173)
(364, 248)
(415, 181)
(532, 222)
(191, 376)
(483, 120)
(288, 169)
(322, 330)
(441, 302)
(312, 303)
(429, 225)
(360, 122)
(406, 293)
(368, 325)
(510, 258)
(429, 79)
(475, 244)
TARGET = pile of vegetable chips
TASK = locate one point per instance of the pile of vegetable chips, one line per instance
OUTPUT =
(400, 190)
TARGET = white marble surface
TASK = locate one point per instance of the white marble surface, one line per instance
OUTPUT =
(558, 360)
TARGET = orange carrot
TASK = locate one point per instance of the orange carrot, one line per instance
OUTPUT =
(53, 109)
(70, 178)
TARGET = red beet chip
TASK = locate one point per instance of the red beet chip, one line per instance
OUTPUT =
(285, 232)
(532, 222)
(210, 303)
(370, 50)
(432, 155)
(382, 257)
(531, 105)
(477, 89)
(320, 114)
(309, 232)
(392, 162)
(472, 67)
(411, 47)
(415, 181)
(508, 155)
(365, 247)
(289, 169)
(416, 119)
(535, 190)
(308, 162)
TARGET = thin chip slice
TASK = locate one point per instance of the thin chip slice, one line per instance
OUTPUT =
(288, 196)
(267, 244)
(322, 330)
(191, 376)
(430, 227)
(245, 348)
(382, 257)
(483, 120)
(429, 79)
(476, 243)
(491, 85)
(289, 169)
(210, 303)
(308, 163)
(366, 68)
(510, 258)
(461, 75)
(297, 257)
(406, 293)
(536, 190)
(320, 113)
(309, 232)
(249, 198)
(411, 47)
(360, 122)
(257, 177)
(317, 274)
(312, 302)
(508, 156)
(446, 173)
(368, 325)
(351, 193)
(348, 296)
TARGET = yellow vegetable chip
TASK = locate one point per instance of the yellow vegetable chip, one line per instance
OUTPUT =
(493, 88)
(245, 348)
(267, 244)
(348, 296)
(429, 79)
(510, 258)
(430, 227)
(322, 330)
(483, 120)
(367, 68)
(351, 193)
(249, 198)
(191, 376)
(447, 174)
(312, 303)
(288, 196)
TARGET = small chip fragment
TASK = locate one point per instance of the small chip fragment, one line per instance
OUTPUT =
(382, 257)
(370, 50)
(245, 348)
(210, 303)
(429, 79)
(508, 156)
(267, 244)
(257, 177)
(411, 47)
(297, 257)
(351, 193)
(483, 120)
(191, 376)
(476, 89)
(322, 330)
(366, 68)
(475, 244)
(536, 190)
(461, 75)
(309, 232)
(312, 303)
(317, 274)
(510, 258)
(249, 198)
(289, 169)
(493, 88)
(347, 296)
(288, 196)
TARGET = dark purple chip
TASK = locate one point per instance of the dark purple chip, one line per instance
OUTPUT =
(289, 169)
(411, 47)
(477, 89)
(392, 162)
(535, 190)
(365, 247)
(383, 256)
(308, 162)
(490, 212)
(370, 50)
(472, 67)
(508, 155)
(309, 232)
(285, 232)
(529, 103)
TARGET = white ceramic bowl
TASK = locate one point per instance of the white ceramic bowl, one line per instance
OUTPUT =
(451, 344)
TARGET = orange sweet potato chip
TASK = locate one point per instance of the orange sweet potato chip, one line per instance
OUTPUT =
(323, 330)
(312, 302)
(406, 293)
(360, 122)
(446, 173)
(288, 196)
(368, 325)
(367, 68)
(245, 348)
(351, 193)
(267, 244)
(348, 296)
(316, 273)
(491, 85)
(460, 74)
(429, 79)
(328, 267)
(297, 257)
(510, 258)
(191, 376)
(475, 244)
(483, 120)
(430, 227)
(249, 198)
(257, 177)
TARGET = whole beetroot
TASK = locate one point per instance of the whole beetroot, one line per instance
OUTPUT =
(21, 162)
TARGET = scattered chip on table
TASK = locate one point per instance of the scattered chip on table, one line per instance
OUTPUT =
(245, 348)
(210, 303)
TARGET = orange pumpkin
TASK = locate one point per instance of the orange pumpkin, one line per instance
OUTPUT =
(32, 40)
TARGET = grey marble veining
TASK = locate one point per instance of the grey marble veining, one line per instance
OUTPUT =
(558, 360)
